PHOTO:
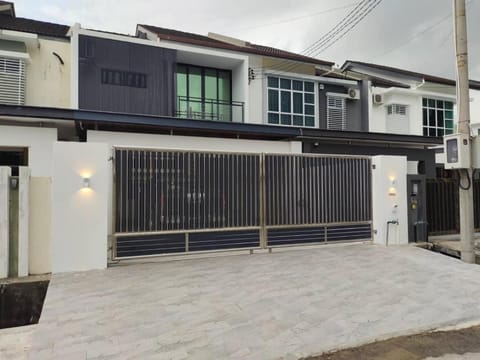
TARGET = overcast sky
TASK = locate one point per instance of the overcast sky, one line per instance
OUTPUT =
(411, 34)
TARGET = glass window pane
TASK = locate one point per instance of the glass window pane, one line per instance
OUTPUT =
(309, 109)
(449, 114)
(432, 132)
(440, 118)
(440, 104)
(425, 117)
(309, 121)
(224, 86)
(195, 82)
(286, 119)
(273, 118)
(297, 85)
(210, 84)
(449, 105)
(308, 86)
(298, 120)
(431, 103)
(449, 124)
(298, 103)
(424, 102)
(431, 117)
(272, 82)
(440, 132)
(285, 83)
(181, 81)
(286, 102)
(425, 131)
(309, 98)
(448, 131)
(272, 100)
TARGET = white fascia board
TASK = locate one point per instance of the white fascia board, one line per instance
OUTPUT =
(324, 80)
(412, 92)
(27, 38)
(15, 55)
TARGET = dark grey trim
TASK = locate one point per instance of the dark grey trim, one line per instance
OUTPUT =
(203, 127)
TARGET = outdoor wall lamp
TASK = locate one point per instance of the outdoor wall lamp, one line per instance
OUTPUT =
(86, 183)
(392, 190)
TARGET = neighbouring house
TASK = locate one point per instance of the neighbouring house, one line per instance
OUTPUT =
(172, 142)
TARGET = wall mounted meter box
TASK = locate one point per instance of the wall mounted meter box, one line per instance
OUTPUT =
(476, 152)
(457, 151)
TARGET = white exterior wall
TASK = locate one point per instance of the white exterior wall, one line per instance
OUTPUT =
(185, 143)
(38, 141)
(378, 113)
(387, 207)
(475, 109)
(47, 80)
(256, 92)
(79, 216)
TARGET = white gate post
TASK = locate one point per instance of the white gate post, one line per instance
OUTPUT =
(23, 219)
(5, 173)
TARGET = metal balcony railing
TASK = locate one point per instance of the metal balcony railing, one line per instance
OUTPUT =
(210, 109)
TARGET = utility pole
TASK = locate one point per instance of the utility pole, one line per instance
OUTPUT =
(463, 106)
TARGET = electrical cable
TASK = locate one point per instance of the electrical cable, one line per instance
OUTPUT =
(460, 180)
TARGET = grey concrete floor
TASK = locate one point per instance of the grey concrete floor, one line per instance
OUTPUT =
(284, 305)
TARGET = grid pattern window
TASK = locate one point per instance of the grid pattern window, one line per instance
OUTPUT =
(290, 102)
(437, 117)
(12, 81)
(336, 113)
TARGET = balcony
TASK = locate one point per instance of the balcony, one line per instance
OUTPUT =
(210, 109)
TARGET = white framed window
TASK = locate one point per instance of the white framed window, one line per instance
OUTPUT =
(336, 113)
(12, 81)
(438, 117)
(290, 102)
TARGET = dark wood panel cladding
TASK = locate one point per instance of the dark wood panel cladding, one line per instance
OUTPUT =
(123, 59)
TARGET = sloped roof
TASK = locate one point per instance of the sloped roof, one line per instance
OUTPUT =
(33, 26)
(429, 78)
(195, 39)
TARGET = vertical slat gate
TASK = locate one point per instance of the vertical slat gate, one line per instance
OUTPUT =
(177, 201)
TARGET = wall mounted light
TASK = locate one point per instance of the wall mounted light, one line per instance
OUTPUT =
(86, 183)
(392, 190)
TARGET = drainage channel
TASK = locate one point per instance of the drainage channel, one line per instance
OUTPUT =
(21, 300)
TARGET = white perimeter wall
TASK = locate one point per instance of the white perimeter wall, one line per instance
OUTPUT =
(185, 143)
(39, 143)
(79, 216)
(386, 169)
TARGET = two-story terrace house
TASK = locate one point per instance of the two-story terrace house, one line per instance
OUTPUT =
(173, 108)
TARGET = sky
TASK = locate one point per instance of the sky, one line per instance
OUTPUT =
(410, 34)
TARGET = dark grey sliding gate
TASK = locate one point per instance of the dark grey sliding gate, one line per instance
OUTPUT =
(312, 199)
(181, 202)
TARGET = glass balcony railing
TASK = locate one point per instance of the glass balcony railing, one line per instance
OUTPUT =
(210, 109)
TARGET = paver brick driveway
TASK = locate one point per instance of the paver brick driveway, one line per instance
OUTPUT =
(263, 306)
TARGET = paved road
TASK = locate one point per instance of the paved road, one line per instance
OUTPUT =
(444, 345)
(286, 305)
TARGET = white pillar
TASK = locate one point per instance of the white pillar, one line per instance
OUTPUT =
(5, 173)
(23, 219)
(389, 200)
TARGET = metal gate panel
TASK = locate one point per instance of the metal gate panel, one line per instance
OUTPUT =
(182, 202)
(314, 199)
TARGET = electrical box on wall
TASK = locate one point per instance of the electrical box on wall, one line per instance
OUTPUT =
(476, 152)
(457, 151)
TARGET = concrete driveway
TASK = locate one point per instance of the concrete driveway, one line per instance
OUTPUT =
(264, 306)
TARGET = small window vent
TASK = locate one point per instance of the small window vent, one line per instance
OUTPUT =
(336, 113)
(397, 109)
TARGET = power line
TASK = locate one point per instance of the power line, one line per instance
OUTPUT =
(337, 32)
(298, 18)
